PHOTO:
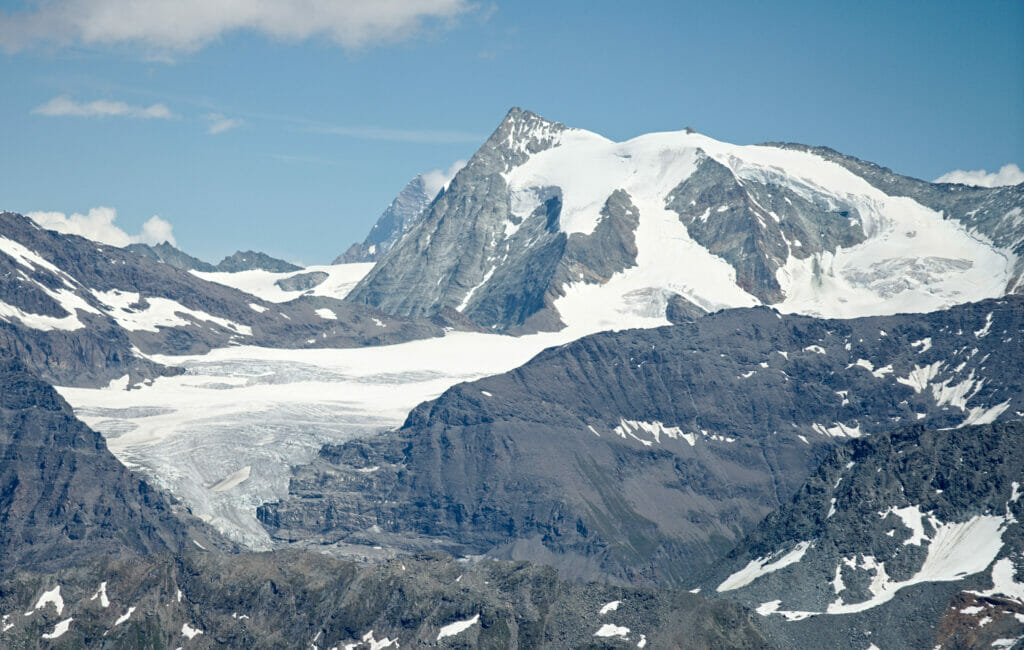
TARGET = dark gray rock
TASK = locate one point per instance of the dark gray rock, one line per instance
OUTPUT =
(844, 511)
(254, 261)
(469, 252)
(758, 225)
(302, 281)
(292, 600)
(168, 254)
(64, 497)
(455, 245)
(542, 463)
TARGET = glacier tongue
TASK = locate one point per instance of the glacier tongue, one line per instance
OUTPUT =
(224, 435)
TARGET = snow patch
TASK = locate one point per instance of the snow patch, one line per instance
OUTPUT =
(233, 479)
(190, 632)
(763, 566)
(51, 597)
(458, 627)
(983, 415)
(925, 344)
(610, 607)
(341, 279)
(919, 377)
(101, 593)
(59, 629)
(610, 630)
(124, 617)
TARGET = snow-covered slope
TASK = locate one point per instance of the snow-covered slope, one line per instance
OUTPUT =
(83, 313)
(330, 281)
(526, 236)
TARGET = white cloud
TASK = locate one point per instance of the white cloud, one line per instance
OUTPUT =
(220, 123)
(187, 25)
(435, 179)
(98, 225)
(1007, 175)
(65, 106)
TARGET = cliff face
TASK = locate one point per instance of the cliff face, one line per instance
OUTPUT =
(63, 495)
(642, 456)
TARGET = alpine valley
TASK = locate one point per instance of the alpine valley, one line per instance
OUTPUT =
(667, 392)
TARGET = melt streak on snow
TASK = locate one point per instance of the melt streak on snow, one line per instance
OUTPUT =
(913, 259)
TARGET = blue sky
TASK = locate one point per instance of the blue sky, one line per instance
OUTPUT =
(323, 118)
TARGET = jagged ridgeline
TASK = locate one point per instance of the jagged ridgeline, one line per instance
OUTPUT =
(294, 600)
(548, 226)
(643, 456)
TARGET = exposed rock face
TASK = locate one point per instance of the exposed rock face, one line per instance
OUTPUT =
(917, 525)
(757, 225)
(168, 254)
(82, 313)
(641, 456)
(252, 261)
(442, 258)
(64, 497)
(302, 281)
(292, 600)
(532, 219)
(403, 213)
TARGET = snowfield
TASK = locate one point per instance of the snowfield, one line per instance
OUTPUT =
(913, 259)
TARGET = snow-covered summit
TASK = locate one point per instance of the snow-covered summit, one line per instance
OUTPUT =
(550, 226)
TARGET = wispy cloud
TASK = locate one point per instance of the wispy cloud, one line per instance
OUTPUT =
(418, 136)
(435, 179)
(219, 123)
(188, 25)
(63, 106)
(1007, 175)
(98, 225)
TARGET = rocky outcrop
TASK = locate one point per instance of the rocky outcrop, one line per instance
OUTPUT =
(301, 281)
(292, 600)
(254, 261)
(455, 245)
(64, 497)
(758, 224)
(168, 254)
(641, 456)
(919, 525)
(237, 261)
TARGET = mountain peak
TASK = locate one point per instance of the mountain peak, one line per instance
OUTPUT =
(521, 134)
